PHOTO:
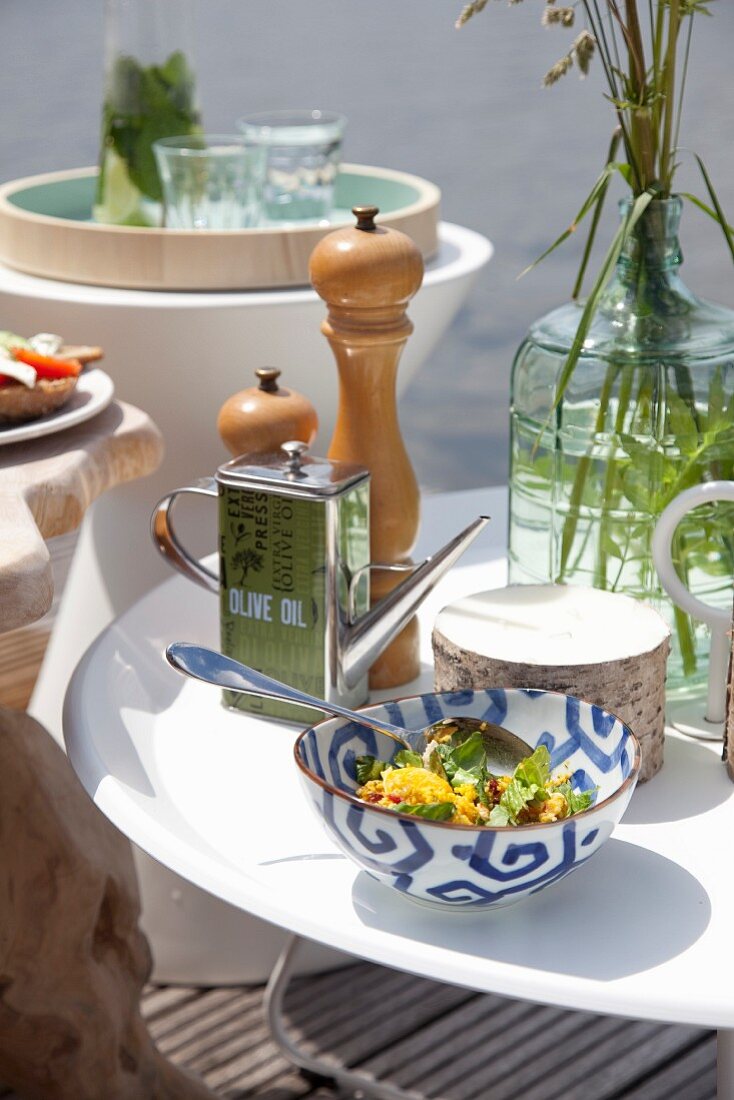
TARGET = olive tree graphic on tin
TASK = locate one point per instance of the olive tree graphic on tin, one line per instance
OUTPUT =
(244, 558)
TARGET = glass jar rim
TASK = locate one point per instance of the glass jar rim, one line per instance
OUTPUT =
(295, 126)
(202, 145)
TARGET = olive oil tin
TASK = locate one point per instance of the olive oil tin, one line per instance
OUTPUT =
(293, 571)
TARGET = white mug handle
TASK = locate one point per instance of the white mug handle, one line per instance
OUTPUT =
(714, 617)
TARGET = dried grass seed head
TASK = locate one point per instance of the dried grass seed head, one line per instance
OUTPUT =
(558, 70)
(554, 17)
(583, 50)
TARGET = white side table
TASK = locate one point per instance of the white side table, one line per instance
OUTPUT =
(642, 930)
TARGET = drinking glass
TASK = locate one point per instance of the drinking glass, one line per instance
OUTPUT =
(210, 181)
(303, 153)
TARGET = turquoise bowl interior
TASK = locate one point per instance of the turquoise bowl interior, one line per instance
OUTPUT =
(72, 199)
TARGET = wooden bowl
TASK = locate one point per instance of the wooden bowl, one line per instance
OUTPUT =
(46, 229)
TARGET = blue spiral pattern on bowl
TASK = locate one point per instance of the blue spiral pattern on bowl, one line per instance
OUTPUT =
(472, 867)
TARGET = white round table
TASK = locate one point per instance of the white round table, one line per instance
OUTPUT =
(643, 930)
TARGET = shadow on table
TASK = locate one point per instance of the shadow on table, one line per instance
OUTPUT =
(692, 781)
(134, 675)
(626, 911)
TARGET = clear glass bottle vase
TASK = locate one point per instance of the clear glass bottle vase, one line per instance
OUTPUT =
(149, 93)
(649, 411)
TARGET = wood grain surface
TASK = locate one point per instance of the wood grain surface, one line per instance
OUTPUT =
(444, 1042)
(45, 488)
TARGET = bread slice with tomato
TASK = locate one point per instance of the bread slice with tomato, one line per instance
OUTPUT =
(34, 383)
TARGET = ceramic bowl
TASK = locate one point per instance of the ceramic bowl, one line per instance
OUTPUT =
(465, 867)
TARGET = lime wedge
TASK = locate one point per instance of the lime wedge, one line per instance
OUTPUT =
(120, 203)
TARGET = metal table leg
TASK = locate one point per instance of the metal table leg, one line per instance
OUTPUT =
(360, 1083)
(725, 1063)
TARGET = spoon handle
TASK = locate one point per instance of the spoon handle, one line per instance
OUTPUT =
(214, 668)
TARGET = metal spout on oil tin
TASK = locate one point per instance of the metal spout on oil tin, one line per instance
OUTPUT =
(362, 641)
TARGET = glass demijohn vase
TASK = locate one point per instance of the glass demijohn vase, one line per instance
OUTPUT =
(648, 411)
(150, 93)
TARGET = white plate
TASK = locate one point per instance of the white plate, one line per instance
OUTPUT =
(94, 391)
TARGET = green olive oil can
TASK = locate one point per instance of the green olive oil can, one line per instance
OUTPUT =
(294, 571)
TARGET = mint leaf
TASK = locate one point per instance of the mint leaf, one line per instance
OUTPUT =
(367, 768)
(433, 811)
(145, 103)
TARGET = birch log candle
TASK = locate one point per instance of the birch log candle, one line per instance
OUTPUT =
(605, 648)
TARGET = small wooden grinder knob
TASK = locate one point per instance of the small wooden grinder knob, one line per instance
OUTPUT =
(367, 274)
(259, 419)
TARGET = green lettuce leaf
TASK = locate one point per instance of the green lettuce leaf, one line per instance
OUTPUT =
(467, 762)
(12, 340)
(369, 767)
(407, 759)
(517, 796)
(435, 764)
(577, 800)
(535, 769)
(499, 815)
(434, 811)
(470, 753)
(462, 775)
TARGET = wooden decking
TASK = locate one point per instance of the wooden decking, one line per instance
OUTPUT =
(443, 1042)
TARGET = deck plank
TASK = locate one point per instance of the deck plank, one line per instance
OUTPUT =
(690, 1075)
(446, 1042)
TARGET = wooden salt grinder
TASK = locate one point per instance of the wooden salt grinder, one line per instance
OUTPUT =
(261, 418)
(367, 275)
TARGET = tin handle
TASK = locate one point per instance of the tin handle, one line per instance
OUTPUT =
(167, 541)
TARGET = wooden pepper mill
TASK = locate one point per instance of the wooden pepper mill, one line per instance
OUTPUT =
(367, 275)
(259, 419)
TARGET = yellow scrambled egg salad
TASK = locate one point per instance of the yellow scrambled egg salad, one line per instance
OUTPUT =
(451, 782)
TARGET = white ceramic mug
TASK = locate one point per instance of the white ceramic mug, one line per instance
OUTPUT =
(718, 620)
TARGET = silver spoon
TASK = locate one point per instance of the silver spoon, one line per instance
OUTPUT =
(504, 749)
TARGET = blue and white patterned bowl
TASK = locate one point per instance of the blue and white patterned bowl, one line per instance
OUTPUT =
(464, 867)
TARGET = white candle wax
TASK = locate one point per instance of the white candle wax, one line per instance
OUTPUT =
(552, 625)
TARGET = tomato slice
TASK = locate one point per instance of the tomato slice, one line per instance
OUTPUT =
(48, 366)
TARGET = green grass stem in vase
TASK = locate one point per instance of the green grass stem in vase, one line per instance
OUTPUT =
(625, 396)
